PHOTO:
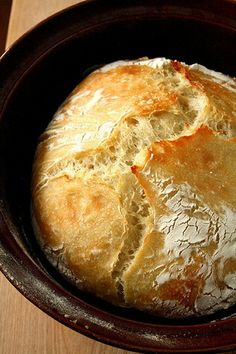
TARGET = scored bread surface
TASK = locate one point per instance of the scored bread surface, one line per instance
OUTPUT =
(134, 187)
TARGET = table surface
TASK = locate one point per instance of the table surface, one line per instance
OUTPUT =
(24, 329)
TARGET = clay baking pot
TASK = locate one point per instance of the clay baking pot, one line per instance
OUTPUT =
(36, 75)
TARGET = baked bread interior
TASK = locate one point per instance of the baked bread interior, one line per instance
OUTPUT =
(134, 187)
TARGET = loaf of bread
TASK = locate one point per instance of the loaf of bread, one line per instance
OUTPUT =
(134, 187)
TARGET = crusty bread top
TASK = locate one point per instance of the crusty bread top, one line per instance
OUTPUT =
(134, 195)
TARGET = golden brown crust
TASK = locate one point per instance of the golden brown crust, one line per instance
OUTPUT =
(84, 219)
(133, 188)
(199, 187)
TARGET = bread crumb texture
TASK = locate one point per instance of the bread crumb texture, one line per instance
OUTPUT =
(134, 187)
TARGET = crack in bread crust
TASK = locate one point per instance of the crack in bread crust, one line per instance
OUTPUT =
(119, 198)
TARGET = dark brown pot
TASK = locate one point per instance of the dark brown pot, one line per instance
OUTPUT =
(36, 75)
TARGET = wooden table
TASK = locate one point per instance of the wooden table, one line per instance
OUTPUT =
(24, 329)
